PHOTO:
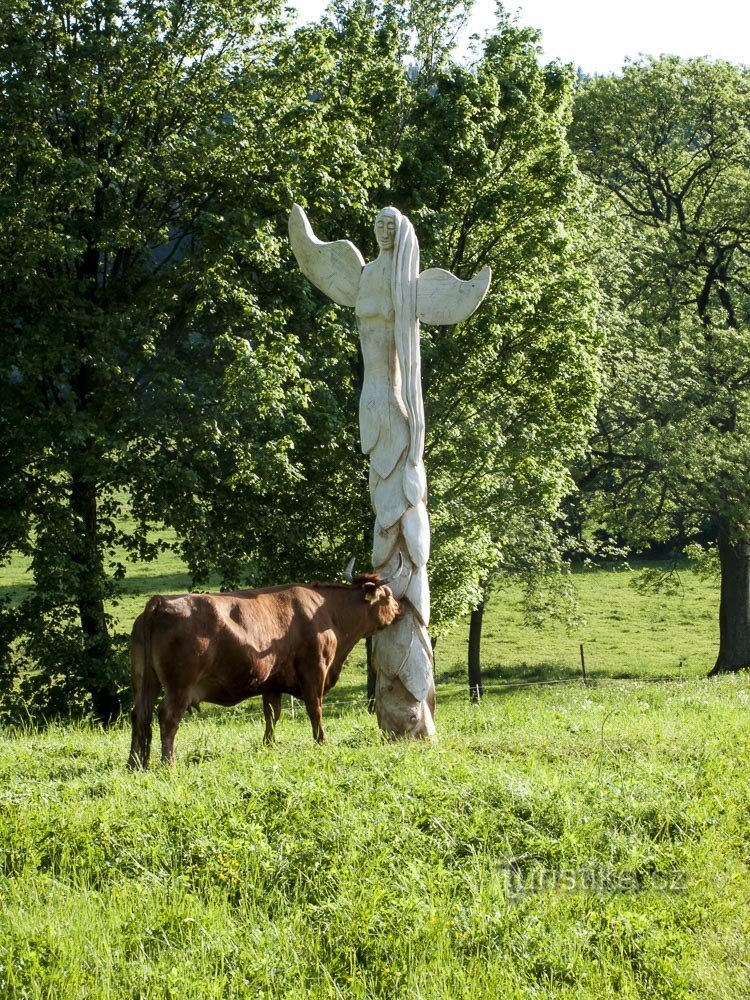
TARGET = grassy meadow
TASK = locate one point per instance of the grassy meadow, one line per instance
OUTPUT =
(560, 840)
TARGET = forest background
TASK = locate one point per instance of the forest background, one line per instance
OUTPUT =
(171, 380)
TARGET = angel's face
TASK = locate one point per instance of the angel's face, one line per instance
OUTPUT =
(385, 228)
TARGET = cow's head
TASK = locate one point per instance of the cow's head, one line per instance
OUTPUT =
(384, 607)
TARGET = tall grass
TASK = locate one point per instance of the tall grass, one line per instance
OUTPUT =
(558, 841)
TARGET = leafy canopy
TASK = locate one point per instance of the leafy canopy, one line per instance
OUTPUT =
(166, 363)
(668, 146)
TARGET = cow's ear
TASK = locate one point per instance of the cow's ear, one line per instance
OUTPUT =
(371, 591)
(374, 592)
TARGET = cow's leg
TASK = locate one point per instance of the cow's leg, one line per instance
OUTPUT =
(271, 711)
(140, 743)
(314, 706)
(171, 713)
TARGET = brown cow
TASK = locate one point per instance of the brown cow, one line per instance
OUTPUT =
(223, 648)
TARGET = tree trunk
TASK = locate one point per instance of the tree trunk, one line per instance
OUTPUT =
(371, 676)
(90, 599)
(734, 609)
(475, 662)
(88, 558)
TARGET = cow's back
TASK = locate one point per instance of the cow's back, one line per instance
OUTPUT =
(286, 630)
(223, 648)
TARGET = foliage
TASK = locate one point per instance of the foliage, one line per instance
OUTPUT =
(477, 157)
(140, 361)
(668, 145)
(484, 171)
(167, 364)
(670, 141)
(705, 560)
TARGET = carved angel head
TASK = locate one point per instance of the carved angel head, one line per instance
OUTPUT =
(386, 227)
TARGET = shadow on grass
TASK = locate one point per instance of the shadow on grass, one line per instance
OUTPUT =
(133, 586)
(530, 672)
(14, 593)
(518, 673)
(339, 701)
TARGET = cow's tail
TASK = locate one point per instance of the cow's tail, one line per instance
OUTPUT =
(146, 687)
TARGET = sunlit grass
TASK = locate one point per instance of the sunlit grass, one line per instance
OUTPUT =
(625, 633)
(559, 840)
(563, 841)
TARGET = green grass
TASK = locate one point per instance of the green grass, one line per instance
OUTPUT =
(558, 841)
(626, 634)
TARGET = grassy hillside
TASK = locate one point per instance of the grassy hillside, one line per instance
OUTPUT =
(625, 633)
(558, 841)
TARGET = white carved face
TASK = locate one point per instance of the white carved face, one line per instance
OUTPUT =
(385, 229)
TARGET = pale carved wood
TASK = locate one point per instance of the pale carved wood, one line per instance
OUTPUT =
(390, 297)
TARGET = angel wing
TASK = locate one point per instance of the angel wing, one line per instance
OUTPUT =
(443, 299)
(335, 268)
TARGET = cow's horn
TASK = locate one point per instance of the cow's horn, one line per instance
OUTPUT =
(392, 577)
(349, 571)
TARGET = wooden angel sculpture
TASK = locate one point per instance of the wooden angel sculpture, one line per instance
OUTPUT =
(391, 298)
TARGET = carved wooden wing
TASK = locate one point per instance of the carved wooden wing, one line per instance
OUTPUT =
(335, 268)
(443, 299)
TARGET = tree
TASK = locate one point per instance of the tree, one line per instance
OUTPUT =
(166, 363)
(141, 361)
(478, 158)
(668, 146)
(509, 395)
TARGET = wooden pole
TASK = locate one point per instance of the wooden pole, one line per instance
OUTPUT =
(475, 646)
(371, 676)
(583, 664)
